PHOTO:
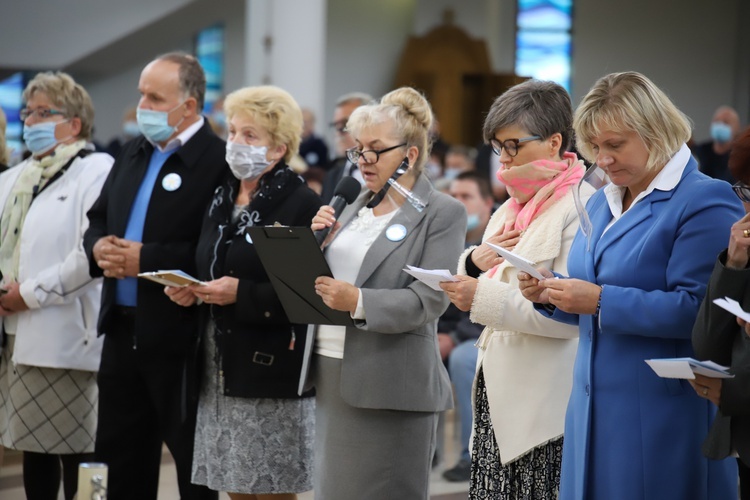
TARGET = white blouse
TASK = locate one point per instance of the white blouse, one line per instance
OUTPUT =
(345, 255)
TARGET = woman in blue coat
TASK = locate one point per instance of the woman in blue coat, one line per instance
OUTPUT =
(637, 278)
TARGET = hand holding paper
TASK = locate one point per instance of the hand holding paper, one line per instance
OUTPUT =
(430, 277)
(517, 261)
(172, 277)
(686, 368)
(733, 307)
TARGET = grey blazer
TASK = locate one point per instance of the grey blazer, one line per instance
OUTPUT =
(716, 336)
(391, 359)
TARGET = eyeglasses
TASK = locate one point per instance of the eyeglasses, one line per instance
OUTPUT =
(41, 113)
(370, 156)
(742, 191)
(339, 126)
(510, 145)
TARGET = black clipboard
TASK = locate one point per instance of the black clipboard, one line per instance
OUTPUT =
(293, 260)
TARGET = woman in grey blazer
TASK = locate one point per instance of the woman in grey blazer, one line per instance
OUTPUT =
(381, 383)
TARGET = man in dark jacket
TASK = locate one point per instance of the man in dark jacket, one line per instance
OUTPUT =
(147, 218)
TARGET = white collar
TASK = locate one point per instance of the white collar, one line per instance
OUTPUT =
(666, 180)
(182, 138)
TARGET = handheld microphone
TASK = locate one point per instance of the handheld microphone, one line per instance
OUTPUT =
(346, 192)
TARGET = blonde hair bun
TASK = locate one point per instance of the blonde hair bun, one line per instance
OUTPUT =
(412, 102)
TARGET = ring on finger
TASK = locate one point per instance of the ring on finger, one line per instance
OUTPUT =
(746, 233)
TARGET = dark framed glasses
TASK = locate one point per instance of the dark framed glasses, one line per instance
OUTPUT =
(510, 145)
(370, 156)
(41, 113)
(742, 191)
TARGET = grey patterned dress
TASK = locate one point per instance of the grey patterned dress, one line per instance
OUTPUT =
(251, 445)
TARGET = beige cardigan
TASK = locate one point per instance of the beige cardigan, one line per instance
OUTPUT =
(527, 358)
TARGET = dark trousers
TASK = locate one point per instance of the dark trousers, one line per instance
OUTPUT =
(141, 406)
(744, 471)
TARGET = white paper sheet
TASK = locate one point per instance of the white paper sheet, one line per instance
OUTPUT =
(686, 368)
(517, 261)
(431, 277)
(172, 277)
(733, 307)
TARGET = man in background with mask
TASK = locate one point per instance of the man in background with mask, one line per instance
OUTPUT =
(456, 332)
(713, 156)
(147, 218)
(341, 166)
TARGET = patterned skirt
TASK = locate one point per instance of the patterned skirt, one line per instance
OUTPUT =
(251, 445)
(46, 410)
(533, 476)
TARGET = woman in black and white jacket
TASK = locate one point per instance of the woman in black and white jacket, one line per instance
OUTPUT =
(254, 434)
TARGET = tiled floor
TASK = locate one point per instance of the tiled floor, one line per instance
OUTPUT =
(11, 481)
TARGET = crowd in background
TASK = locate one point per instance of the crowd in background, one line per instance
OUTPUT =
(547, 373)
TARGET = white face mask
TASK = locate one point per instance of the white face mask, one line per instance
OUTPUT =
(247, 162)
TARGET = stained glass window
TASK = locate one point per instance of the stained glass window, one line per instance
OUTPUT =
(543, 40)
(210, 53)
(11, 101)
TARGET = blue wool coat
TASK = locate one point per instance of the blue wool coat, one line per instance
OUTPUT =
(628, 433)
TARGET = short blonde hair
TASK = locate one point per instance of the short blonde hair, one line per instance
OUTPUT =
(272, 108)
(66, 94)
(411, 116)
(3, 147)
(630, 102)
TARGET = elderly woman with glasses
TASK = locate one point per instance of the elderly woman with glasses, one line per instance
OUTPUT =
(524, 370)
(721, 337)
(48, 302)
(637, 275)
(380, 382)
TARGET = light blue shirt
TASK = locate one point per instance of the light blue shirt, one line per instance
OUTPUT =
(126, 293)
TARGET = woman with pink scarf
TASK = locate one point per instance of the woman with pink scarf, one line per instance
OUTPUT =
(525, 363)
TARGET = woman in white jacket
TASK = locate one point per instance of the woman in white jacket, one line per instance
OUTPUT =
(49, 303)
(524, 369)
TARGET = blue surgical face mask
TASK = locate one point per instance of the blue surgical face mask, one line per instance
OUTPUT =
(452, 173)
(472, 222)
(155, 124)
(40, 137)
(247, 162)
(721, 132)
(130, 128)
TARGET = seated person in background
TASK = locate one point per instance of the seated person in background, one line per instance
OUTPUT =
(340, 165)
(457, 159)
(130, 131)
(713, 156)
(456, 332)
(718, 336)
(313, 148)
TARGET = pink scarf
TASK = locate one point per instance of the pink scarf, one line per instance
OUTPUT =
(536, 186)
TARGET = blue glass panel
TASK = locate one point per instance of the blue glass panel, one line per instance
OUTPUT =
(210, 53)
(544, 55)
(11, 101)
(544, 14)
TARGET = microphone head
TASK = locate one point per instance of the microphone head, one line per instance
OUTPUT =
(348, 188)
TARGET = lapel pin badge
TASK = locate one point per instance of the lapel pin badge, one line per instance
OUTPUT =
(171, 182)
(396, 232)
